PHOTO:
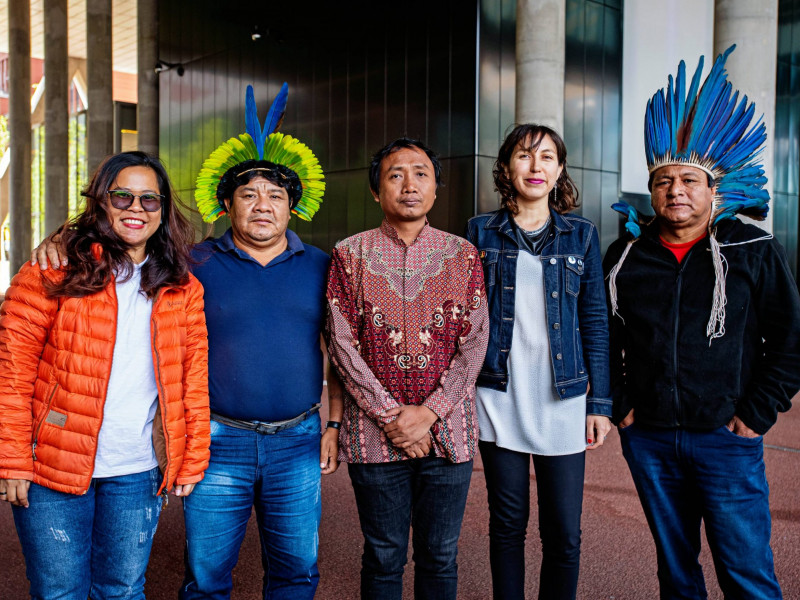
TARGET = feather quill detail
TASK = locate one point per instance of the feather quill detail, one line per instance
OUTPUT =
(632, 224)
(276, 111)
(251, 124)
(259, 143)
(709, 127)
(271, 123)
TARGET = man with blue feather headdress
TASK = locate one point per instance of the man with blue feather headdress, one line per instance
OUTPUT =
(705, 338)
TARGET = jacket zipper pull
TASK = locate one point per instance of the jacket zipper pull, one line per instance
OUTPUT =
(165, 499)
(34, 450)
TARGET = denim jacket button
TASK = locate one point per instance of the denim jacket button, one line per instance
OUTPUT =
(554, 294)
(556, 326)
(552, 261)
(571, 260)
(558, 356)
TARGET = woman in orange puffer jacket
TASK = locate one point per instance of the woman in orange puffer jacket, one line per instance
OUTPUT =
(104, 387)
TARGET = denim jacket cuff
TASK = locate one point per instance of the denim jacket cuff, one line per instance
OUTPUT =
(599, 406)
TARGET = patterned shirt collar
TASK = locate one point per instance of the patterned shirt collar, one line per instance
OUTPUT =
(390, 232)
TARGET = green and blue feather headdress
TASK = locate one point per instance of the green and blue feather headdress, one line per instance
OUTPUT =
(261, 143)
(707, 127)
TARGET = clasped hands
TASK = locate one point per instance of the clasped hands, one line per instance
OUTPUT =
(411, 430)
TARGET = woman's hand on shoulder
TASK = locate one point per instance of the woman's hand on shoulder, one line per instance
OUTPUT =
(597, 429)
(15, 491)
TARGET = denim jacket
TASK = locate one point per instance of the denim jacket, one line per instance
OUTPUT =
(575, 303)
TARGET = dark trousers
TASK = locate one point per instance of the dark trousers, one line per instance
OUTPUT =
(428, 494)
(559, 483)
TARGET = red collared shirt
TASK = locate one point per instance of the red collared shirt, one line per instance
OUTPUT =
(406, 325)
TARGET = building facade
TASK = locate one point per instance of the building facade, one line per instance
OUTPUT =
(444, 71)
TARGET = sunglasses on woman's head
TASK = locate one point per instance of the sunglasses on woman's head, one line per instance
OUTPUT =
(122, 200)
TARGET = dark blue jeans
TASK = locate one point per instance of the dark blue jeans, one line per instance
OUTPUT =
(278, 474)
(559, 485)
(94, 545)
(685, 477)
(428, 494)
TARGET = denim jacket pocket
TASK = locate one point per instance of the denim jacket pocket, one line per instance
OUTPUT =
(489, 260)
(573, 274)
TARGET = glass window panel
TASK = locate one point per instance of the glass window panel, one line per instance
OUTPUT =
(792, 159)
(612, 83)
(608, 224)
(574, 82)
(593, 88)
(785, 25)
(782, 137)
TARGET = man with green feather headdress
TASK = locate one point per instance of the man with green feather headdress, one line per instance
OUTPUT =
(264, 302)
(265, 310)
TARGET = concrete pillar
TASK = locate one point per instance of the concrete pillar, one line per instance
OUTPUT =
(19, 126)
(753, 27)
(147, 107)
(56, 114)
(540, 62)
(100, 113)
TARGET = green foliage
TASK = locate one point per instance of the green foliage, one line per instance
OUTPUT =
(78, 172)
(78, 169)
(3, 135)
(37, 183)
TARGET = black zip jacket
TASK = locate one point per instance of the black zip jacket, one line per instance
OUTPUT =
(661, 362)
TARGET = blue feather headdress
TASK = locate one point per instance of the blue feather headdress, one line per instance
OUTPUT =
(707, 127)
(711, 130)
(261, 143)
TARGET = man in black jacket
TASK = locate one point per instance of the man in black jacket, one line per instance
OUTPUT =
(705, 344)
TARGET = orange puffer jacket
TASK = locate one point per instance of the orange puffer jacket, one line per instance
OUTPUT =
(55, 363)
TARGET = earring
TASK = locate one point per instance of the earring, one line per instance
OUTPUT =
(555, 193)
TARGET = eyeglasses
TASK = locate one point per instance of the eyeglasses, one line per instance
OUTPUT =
(123, 200)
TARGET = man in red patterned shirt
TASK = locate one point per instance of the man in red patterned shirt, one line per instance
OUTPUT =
(407, 331)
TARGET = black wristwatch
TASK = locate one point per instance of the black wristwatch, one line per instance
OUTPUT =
(333, 425)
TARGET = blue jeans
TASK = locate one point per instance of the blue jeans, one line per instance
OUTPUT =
(685, 477)
(559, 486)
(278, 474)
(428, 494)
(95, 545)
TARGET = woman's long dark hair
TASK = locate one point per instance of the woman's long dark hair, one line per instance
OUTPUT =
(167, 249)
(567, 197)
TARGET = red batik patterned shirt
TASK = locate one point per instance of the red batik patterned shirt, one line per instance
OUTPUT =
(406, 325)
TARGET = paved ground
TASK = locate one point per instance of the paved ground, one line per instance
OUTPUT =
(618, 560)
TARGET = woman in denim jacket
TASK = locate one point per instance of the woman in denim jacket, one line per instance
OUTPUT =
(544, 388)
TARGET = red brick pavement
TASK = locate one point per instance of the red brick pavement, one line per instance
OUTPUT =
(618, 560)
